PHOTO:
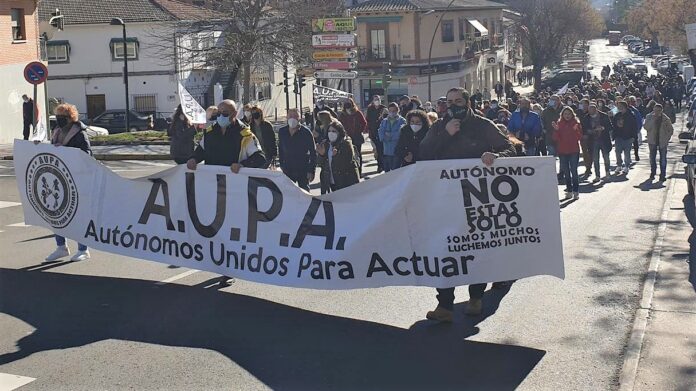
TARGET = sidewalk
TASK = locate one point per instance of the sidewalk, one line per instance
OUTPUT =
(668, 356)
(131, 152)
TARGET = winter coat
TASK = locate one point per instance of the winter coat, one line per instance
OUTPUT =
(237, 145)
(665, 130)
(267, 137)
(529, 128)
(549, 116)
(389, 133)
(477, 136)
(625, 125)
(343, 166)
(409, 141)
(297, 154)
(602, 138)
(75, 137)
(181, 143)
(355, 125)
(567, 137)
(375, 115)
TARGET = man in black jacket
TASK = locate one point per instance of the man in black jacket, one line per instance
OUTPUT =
(461, 134)
(298, 156)
(598, 125)
(228, 142)
(376, 112)
(28, 115)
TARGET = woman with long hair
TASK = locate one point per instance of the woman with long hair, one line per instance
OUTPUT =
(567, 135)
(410, 137)
(355, 124)
(181, 133)
(263, 130)
(339, 165)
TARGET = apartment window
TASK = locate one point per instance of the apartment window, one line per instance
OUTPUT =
(17, 22)
(447, 31)
(145, 104)
(132, 48)
(58, 52)
(379, 44)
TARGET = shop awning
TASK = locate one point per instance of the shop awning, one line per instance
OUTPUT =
(478, 26)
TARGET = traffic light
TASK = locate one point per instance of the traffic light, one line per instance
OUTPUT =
(300, 82)
(386, 74)
(285, 81)
(294, 86)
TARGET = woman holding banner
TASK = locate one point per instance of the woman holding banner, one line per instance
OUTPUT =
(181, 133)
(69, 133)
(339, 165)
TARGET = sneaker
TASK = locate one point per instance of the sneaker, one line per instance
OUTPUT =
(225, 281)
(618, 171)
(61, 251)
(440, 314)
(596, 179)
(625, 170)
(568, 195)
(576, 195)
(80, 256)
(475, 307)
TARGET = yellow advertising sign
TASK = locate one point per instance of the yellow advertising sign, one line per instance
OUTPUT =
(333, 55)
(331, 25)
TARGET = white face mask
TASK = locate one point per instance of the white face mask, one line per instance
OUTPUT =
(416, 128)
(247, 114)
(333, 136)
(182, 117)
(293, 122)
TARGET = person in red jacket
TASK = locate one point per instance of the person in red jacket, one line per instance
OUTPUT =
(355, 125)
(567, 135)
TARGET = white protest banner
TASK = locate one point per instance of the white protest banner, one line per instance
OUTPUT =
(191, 107)
(329, 95)
(437, 223)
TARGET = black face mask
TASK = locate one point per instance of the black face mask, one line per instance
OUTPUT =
(457, 112)
(256, 115)
(61, 120)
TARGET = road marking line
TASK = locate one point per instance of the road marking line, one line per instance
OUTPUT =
(20, 225)
(7, 204)
(177, 277)
(9, 382)
(629, 369)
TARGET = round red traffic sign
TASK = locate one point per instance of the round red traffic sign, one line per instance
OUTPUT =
(35, 73)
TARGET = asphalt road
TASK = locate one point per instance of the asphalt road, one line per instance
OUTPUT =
(111, 322)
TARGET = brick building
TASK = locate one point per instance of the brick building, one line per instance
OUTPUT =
(19, 45)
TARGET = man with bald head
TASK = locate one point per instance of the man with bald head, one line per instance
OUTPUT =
(228, 142)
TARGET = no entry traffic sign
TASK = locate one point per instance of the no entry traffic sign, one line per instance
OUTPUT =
(35, 73)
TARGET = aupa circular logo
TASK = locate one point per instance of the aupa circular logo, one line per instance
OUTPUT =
(51, 189)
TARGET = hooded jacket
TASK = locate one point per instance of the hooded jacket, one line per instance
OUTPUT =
(665, 130)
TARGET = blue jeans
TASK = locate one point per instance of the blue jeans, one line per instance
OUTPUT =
(623, 146)
(569, 165)
(604, 150)
(60, 241)
(551, 149)
(653, 159)
(391, 163)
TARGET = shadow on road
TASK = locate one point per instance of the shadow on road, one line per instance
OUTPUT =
(690, 211)
(286, 348)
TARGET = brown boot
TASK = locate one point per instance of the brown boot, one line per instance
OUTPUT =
(440, 314)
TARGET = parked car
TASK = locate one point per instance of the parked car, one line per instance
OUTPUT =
(558, 80)
(115, 121)
(651, 50)
(626, 38)
(626, 61)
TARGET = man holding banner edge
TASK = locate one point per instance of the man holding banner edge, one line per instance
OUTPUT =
(461, 134)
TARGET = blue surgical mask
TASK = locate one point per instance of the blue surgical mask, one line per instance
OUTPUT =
(552, 103)
(223, 121)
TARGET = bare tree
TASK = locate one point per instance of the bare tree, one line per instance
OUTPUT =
(549, 27)
(245, 32)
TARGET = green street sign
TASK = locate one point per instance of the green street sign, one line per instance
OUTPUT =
(332, 25)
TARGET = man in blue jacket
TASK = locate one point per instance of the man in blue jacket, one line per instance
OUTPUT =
(389, 132)
(526, 125)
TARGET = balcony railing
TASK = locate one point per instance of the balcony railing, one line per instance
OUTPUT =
(380, 53)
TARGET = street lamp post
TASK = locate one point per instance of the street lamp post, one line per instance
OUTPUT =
(119, 22)
(430, 51)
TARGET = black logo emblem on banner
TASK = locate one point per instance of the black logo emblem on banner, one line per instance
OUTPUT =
(51, 189)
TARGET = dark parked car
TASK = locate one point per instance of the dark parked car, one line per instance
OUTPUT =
(558, 80)
(115, 121)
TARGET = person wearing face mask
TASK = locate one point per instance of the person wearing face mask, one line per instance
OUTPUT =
(625, 130)
(296, 151)
(339, 165)
(29, 112)
(461, 134)
(405, 105)
(230, 143)
(410, 137)
(181, 133)
(428, 107)
(376, 112)
(660, 130)
(588, 139)
(599, 126)
(355, 124)
(322, 106)
(69, 133)
(263, 130)
(503, 117)
(389, 134)
(492, 112)
(549, 115)
(246, 114)
(638, 138)
(526, 124)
